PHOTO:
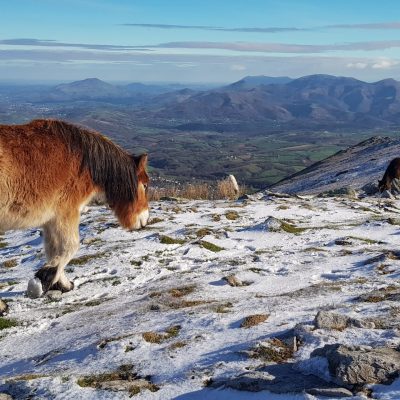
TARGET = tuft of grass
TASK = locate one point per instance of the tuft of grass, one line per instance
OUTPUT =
(136, 263)
(86, 258)
(10, 263)
(182, 291)
(232, 215)
(6, 323)
(211, 246)
(200, 233)
(169, 240)
(216, 217)
(156, 337)
(289, 228)
(3, 244)
(155, 220)
(177, 345)
(274, 350)
(253, 320)
(223, 308)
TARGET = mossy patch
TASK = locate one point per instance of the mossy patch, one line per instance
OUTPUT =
(290, 228)
(200, 233)
(211, 246)
(169, 240)
(86, 258)
(232, 215)
(6, 323)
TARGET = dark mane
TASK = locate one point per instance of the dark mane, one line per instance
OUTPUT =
(110, 167)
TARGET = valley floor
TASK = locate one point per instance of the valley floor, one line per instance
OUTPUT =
(158, 313)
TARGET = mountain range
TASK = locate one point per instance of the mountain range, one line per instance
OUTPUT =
(309, 102)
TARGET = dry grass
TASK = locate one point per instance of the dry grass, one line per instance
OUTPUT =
(273, 350)
(10, 263)
(156, 337)
(253, 320)
(221, 190)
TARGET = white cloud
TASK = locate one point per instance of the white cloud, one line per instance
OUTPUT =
(384, 64)
(357, 65)
(238, 67)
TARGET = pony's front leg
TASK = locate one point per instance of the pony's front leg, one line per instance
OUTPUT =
(61, 240)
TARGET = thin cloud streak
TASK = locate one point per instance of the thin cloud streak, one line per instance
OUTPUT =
(256, 47)
(54, 43)
(282, 47)
(394, 25)
(219, 28)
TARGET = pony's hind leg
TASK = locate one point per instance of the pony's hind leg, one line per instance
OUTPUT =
(61, 242)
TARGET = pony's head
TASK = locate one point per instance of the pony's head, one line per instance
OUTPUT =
(135, 214)
(384, 185)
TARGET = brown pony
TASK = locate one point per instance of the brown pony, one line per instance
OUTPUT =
(392, 172)
(49, 170)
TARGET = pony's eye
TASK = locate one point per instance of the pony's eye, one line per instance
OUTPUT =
(145, 185)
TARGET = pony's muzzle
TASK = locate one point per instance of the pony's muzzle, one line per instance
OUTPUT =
(141, 219)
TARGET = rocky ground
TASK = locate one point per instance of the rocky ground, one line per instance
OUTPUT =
(271, 297)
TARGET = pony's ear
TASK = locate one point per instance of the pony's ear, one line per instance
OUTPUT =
(140, 161)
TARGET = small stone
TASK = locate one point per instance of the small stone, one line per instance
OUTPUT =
(3, 308)
(387, 195)
(54, 295)
(233, 281)
(5, 396)
(34, 289)
(272, 224)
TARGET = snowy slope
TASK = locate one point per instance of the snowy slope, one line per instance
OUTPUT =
(354, 167)
(130, 283)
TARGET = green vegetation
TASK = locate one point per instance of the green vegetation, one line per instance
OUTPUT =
(169, 240)
(211, 246)
(7, 323)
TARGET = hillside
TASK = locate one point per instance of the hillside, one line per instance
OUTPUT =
(163, 313)
(354, 167)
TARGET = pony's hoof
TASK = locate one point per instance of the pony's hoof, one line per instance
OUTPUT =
(46, 276)
(62, 288)
(34, 289)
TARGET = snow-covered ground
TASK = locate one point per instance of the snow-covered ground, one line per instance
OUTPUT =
(132, 283)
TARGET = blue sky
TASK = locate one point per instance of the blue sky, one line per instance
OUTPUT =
(197, 41)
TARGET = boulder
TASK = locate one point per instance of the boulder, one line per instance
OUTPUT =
(359, 365)
(332, 320)
(279, 378)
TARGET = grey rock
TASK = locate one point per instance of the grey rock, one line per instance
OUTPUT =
(332, 320)
(387, 195)
(5, 396)
(342, 192)
(370, 188)
(272, 224)
(54, 295)
(3, 308)
(279, 378)
(337, 393)
(358, 365)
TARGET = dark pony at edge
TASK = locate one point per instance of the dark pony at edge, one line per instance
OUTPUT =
(49, 170)
(392, 172)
